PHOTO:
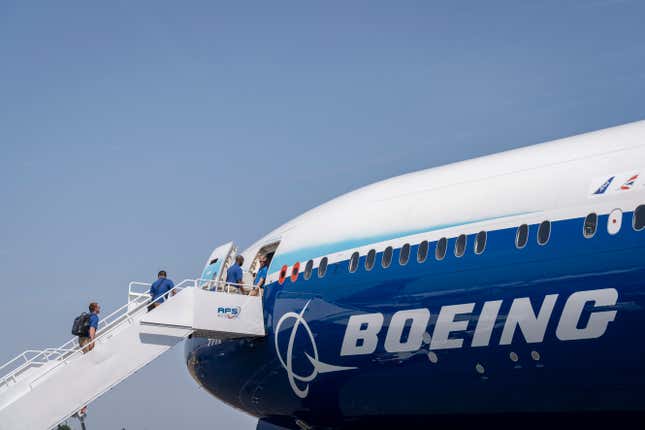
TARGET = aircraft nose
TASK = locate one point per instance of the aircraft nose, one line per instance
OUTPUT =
(225, 368)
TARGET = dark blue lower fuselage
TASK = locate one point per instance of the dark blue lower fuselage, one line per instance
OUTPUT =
(601, 374)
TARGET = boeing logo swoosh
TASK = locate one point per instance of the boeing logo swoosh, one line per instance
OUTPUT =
(296, 380)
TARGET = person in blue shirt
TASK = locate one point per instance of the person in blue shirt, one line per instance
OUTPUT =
(234, 275)
(160, 289)
(261, 276)
(85, 341)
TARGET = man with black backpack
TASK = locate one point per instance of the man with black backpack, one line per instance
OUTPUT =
(89, 325)
(85, 327)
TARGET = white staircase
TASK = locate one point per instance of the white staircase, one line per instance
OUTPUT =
(40, 389)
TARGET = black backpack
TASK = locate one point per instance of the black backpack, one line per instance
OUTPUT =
(81, 326)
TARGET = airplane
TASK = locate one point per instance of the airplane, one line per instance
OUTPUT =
(505, 290)
(507, 285)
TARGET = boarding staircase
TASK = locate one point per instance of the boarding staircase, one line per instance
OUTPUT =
(39, 389)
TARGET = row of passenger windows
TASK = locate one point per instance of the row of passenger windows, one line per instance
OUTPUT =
(441, 248)
(404, 255)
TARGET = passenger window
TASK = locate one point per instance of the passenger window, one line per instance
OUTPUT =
(591, 222)
(295, 271)
(639, 218)
(460, 245)
(308, 269)
(440, 250)
(322, 267)
(422, 251)
(522, 236)
(369, 260)
(480, 242)
(353, 262)
(404, 256)
(386, 258)
(283, 274)
(544, 232)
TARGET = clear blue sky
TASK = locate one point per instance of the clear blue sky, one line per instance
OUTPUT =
(136, 137)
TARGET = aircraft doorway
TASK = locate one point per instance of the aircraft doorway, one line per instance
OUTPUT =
(267, 251)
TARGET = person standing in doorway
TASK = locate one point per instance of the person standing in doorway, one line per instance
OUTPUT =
(261, 277)
(160, 289)
(234, 275)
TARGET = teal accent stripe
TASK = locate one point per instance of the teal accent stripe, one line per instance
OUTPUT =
(304, 254)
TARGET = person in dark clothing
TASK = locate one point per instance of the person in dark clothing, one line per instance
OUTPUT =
(160, 289)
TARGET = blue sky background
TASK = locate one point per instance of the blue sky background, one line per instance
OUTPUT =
(135, 137)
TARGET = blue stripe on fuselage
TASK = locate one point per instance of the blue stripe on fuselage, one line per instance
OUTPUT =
(550, 376)
(310, 252)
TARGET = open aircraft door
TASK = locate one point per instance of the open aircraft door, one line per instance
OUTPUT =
(214, 273)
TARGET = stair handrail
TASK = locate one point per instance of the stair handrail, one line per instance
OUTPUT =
(41, 357)
(71, 347)
(204, 283)
(133, 284)
(68, 346)
(21, 355)
(107, 325)
(117, 323)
